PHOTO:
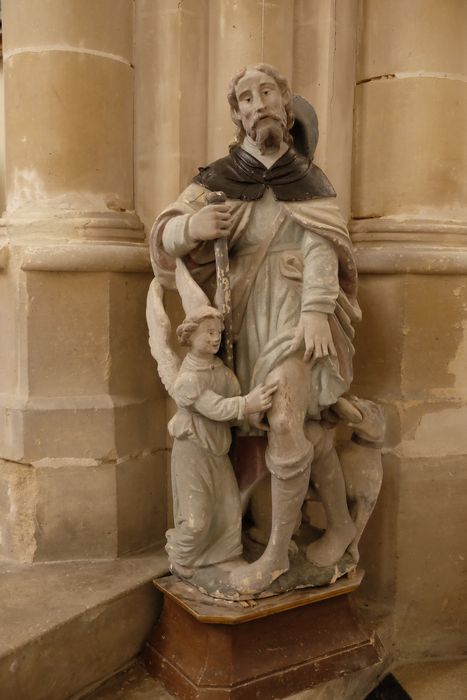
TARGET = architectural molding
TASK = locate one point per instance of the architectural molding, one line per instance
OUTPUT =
(363, 229)
(72, 223)
(391, 257)
(85, 257)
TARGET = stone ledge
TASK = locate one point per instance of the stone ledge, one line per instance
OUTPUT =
(66, 626)
(389, 257)
(79, 427)
(86, 257)
(78, 257)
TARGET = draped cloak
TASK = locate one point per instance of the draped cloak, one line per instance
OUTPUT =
(306, 265)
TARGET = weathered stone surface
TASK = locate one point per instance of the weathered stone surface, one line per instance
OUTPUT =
(430, 577)
(72, 508)
(398, 36)
(402, 123)
(141, 499)
(96, 27)
(83, 153)
(80, 394)
(377, 371)
(67, 626)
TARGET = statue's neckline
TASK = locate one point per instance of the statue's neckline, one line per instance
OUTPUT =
(198, 363)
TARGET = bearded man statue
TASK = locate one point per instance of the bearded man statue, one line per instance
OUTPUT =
(294, 283)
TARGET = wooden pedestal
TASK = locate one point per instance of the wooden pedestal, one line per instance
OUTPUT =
(204, 650)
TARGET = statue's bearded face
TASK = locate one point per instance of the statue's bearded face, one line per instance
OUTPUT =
(261, 109)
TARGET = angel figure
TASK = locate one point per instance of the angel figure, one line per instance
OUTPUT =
(206, 499)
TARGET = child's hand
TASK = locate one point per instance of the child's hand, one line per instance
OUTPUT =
(260, 399)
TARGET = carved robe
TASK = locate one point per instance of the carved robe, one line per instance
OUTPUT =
(285, 257)
(207, 510)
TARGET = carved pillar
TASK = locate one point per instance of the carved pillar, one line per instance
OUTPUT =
(80, 428)
(241, 33)
(410, 230)
(325, 34)
(186, 54)
(171, 49)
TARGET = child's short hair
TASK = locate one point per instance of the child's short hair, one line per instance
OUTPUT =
(191, 322)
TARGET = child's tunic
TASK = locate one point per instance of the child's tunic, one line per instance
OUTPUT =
(207, 510)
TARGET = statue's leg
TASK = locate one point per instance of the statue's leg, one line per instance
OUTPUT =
(261, 514)
(288, 458)
(261, 511)
(327, 476)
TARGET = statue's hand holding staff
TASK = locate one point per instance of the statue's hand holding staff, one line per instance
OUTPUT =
(211, 222)
(313, 328)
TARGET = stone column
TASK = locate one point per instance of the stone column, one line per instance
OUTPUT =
(81, 421)
(241, 33)
(186, 54)
(325, 37)
(410, 231)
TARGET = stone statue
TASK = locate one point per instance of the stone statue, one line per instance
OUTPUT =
(207, 511)
(293, 292)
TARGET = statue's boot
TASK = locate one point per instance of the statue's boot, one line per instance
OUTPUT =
(327, 476)
(287, 496)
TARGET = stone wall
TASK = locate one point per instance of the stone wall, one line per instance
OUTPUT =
(82, 416)
(409, 226)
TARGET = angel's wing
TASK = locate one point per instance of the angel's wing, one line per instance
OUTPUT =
(168, 362)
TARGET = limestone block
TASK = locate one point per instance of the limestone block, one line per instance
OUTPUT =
(378, 546)
(86, 383)
(324, 44)
(8, 324)
(66, 429)
(435, 338)
(433, 429)
(141, 501)
(70, 25)
(65, 508)
(431, 613)
(242, 33)
(171, 56)
(132, 369)
(407, 159)
(193, 87)
(404, 345)
(75, 511)
(2, 143)
(78, 156)
(68, 333)
(64, 658)
(418, 36)
(139, 426)
(18, 497)
(380, 336)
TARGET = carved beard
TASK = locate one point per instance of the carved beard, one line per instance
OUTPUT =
(268, 132)
(268, 136)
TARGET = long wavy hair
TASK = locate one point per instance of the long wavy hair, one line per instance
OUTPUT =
(191, 323)
(283, 87)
